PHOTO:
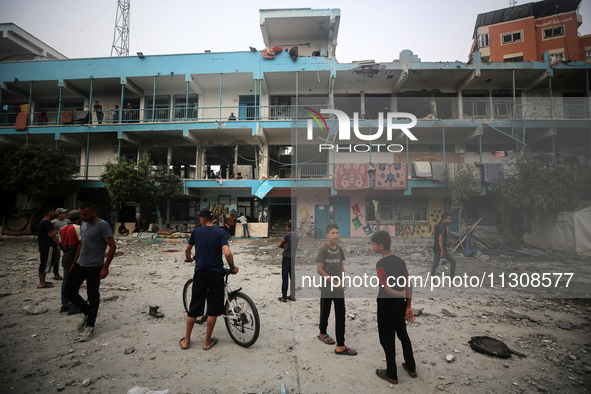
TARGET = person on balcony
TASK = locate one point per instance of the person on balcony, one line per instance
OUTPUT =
(232, 117)
(99, 112)
(116, 114)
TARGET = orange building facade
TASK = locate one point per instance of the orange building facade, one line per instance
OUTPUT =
(520, 34)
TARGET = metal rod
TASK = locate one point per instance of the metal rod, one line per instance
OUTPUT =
(187, 102)
(90, 103)
(87, 153)
(154, 98)
(122, 100)
(59, 106)
(443, 133)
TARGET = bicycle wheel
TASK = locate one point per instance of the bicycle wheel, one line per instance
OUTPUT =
(242, 320)
(317, 232)
(300, 233)
(187, 292)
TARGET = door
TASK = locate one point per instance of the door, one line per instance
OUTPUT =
(321, 218)
(342, 215)
(248, 110)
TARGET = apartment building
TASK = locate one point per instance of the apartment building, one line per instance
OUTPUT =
(247, 133)
(525, 32)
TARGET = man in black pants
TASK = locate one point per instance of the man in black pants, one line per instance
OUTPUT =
(330, 267)
(393, 308)
(289, 243)
(90, 265)
(440, 246)
(208, 281)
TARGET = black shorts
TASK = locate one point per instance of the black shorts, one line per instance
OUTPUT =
(207, 285)
(47, 258)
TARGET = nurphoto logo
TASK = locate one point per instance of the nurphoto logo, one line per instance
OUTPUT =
(344, 133)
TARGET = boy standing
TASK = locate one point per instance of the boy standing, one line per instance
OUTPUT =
(70, 239)
(330, 267)
(289, 243)
(393, 308)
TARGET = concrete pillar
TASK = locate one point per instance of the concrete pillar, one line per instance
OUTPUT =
(460, 106)
(169, 156)
(264, 161)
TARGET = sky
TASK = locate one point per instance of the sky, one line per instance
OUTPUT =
(435, 30)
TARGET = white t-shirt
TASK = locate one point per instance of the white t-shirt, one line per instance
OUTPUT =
(242, 219)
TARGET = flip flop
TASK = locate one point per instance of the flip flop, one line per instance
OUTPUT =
(214, 340)
(45, 286)
(326, 339)
(411, 374)
(347, 352)
(282, 299)
(382, 375)
(181, 344)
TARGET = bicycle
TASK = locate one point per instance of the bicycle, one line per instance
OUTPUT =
(309, 229)
(241, 316)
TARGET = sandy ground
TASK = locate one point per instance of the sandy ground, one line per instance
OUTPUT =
(38, 353)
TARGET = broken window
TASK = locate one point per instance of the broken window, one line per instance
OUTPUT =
(556, 31)
(556, 57)
(483, 40)
(512, 37)
(514, 59)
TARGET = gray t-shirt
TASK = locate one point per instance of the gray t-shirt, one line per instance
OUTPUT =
(93, 235)
(58, 225)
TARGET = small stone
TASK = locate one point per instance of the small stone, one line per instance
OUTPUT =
(60, 388)
(129, 350)
(572, 357)
(433, 363)
(565, 326)
(587, 369)
(450, 358)
(515, 384)
(506, 365)
(86, 382)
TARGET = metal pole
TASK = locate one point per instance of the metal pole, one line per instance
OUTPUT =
(221, 96)
(552, 117)
(59, 106)
(30, 99)
(406, 153)
(87, 152)
(119, 148)
(256, 93)
(154, 99)
(480, 145)
(443, 133)
(187, 102)
(296, 118)
(90, 103)
(121, 106)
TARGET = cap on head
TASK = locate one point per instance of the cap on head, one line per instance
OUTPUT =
(74, 215)
(61, 210)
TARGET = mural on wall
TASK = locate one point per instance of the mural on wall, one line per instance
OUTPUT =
(435, 211)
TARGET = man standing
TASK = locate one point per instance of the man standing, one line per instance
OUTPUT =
(244, 222)
(289, 243)
(208, 280)
(116, 114)
(58, 223)
(70, 239)
(90, 265)
(440, 246)
(99, 112)
(48, 247)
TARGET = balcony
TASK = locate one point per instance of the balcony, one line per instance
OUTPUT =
(160, 115)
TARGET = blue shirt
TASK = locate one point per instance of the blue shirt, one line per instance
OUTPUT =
(208, 241)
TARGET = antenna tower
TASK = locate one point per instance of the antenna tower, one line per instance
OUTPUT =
(121, 37)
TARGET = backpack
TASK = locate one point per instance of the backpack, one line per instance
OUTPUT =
(490, 346)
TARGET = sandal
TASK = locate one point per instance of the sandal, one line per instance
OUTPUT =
(382, 375)
(411, 374)
(45, 286)
(291, 298)
(347, 352)
(326, 339)
(282, 299)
